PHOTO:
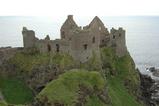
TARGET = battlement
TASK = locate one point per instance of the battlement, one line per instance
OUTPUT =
(79, 42)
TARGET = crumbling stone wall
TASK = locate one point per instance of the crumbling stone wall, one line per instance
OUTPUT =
(79, 42)
(6, 53)
(29, 38)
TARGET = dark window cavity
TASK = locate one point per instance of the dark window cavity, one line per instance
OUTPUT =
(85, 46)
(113, 36)
(119, 34)
(57, 48)
(93, 40)
(48, 48)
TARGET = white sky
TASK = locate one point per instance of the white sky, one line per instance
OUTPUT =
(82, 8)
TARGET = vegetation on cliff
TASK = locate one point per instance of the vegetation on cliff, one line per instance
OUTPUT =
(68, 89)
(122, 78)
(15, 91)
(25, 61)
(113, 81)
(3, 103)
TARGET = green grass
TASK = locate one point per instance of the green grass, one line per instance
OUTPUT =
(65, 88)
(26, 62)
(15, 91)
(119, 94)
(124, 71)
(118, 71)
(94, 101)
(3, 103)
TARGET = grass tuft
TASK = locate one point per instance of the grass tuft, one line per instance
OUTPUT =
(15, 91)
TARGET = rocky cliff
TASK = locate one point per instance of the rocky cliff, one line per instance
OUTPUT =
(58, 80)
(150, 88)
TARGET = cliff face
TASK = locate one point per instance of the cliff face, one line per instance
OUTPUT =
(122, 78)
(149, 88)
(75, 88)
(109, 81)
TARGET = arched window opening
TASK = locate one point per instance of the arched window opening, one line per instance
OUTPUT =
(57, 48)
(48, 48)
(93, 40)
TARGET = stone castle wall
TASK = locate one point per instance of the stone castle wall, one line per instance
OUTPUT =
(79, 42)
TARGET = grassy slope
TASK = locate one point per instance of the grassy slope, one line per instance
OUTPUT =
(15, 91)
(65, 88)
(25, 62)
(3, 103)
(123, 70)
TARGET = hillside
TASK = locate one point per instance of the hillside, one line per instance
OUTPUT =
(75, 87)
(57, 79)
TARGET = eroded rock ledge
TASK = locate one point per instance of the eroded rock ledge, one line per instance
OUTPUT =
(150, 88)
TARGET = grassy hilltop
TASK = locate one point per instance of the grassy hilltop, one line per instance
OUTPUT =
(112, 82)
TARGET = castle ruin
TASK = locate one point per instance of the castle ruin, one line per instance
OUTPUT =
(79, 42)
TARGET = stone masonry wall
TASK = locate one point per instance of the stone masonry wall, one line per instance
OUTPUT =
(79, 42)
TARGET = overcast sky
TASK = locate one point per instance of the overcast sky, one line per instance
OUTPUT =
(82, 8)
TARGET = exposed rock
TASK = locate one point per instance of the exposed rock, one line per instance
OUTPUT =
(150, 90)
(40, 75)
(6, 53)
(1, 96)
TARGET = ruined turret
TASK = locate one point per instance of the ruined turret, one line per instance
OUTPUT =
(28, 38)
(118, 41)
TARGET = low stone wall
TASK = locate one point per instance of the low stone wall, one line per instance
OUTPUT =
(6, 53)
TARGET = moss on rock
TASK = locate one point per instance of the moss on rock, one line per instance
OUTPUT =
(26, 62)
(122, 78)
(15, 91)
(66, 89)
(3, 103)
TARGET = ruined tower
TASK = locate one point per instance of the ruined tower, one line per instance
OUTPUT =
(118, 41)
(28, 38)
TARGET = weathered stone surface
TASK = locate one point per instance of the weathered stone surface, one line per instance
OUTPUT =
(6, 53)
(80, 43)
(150, 90)
(40, 75)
